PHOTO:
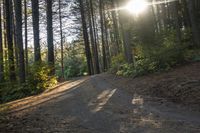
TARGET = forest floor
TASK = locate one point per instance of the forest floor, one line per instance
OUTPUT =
(159, 103)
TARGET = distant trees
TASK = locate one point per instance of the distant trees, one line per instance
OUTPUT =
(122, 32)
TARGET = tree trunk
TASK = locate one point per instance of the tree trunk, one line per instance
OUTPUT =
(61, 39)
(101, 11)
(116, 29)
(85, 36)
(126, 38)
(16, 50)
(26, 35)
(19, 39)
(194, 23)
(9, 37)
(177, 22)
(36, 31)
(92, 41)
(51, 61)
(95, 52)
(1, 51)
(106, 40)
(6, 66)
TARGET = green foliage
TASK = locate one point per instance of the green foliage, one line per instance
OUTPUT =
(192, 55)
(39, 77)
(75, 66)
(160, 56)
(38, 80)
(74, 61)
(117, 62)
(126, 70)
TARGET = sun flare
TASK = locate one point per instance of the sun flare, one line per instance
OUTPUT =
(136, 6)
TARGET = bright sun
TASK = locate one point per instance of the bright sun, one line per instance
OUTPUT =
(136, 6)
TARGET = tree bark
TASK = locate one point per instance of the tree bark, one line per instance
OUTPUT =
(51, 61)
(1, 51)
(101, 11)
(116, 29)
(9, 37)
(26, 35)
(61, 39)
(194, 23)
(19, 39)
(36, 31)
(95, 51)
(85, 36)
(177, 22)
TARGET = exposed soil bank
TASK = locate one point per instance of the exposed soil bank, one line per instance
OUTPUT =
(180, 85)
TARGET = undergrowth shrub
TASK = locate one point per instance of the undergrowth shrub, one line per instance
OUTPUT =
(164, 54)
(117, 62)
(74, 67)
(38, 80)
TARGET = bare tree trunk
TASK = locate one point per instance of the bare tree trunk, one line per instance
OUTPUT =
(36, 31)
(9, 37)
(186, 18)
(16, 50)
(101, 11)
(19, 39)
(86, 39)
(61, 39)
(5, 42)
(91, 35)
(26, 35)
(116, 29)
(1, 50)
(106, 40)
(96, 57)
(126, 39)
(194, 23)
(51, 60)
(177, 22)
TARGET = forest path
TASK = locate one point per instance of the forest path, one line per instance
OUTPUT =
(96, 105)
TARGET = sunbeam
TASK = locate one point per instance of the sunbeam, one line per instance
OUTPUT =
(136, 6)
(139, 6)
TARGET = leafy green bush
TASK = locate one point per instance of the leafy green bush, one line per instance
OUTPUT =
(126, 70)
(75, 66)
(117, 62)
(38, 80)
(161, 56)
(192, 55)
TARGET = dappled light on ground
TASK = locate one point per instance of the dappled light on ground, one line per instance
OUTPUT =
(138, 101)
(34, 101)
(101, 100)
(88, 106)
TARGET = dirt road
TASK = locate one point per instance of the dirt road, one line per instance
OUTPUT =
(96, 105)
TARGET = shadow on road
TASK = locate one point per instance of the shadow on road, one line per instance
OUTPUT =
(93, 105)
